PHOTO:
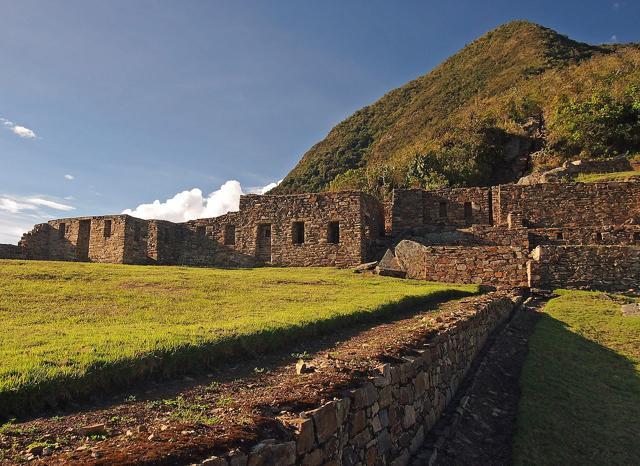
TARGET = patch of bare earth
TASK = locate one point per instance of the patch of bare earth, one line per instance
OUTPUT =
(234, 407)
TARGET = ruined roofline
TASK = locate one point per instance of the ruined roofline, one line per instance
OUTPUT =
(91, 217)
(522, 186)
(314, 193)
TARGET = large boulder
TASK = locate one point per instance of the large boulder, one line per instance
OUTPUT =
(390, 266)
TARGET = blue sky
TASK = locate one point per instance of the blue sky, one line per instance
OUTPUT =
(107, 105)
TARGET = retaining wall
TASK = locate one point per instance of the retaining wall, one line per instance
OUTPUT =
(385, 420)
(500, 266)
(587, 267)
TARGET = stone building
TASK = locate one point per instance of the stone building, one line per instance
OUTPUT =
(327, 229)
(542, 235)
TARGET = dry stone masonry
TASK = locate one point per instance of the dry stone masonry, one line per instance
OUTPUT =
(384, 421)
(467, 235)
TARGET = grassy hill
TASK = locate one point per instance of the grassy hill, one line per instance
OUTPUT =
(477, 118)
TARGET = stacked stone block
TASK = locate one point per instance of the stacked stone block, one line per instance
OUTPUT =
(586, 267)
(385, 419)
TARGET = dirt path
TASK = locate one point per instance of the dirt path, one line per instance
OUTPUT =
(478, 425)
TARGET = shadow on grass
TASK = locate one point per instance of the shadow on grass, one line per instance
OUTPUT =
(102, 380)
(580, 400)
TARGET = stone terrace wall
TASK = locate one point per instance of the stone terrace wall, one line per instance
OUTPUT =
(385, 420)
(588, 267)
(500, 266)
(10, 251)
(477, 235)
(568, 204)
(416, 211)
(621, 235)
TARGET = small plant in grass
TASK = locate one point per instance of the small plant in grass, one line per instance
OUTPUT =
(117, 419)
(224, 401)
(130, 399)
(195, 413)
(10, 428)
(304, 356)
(212, 387)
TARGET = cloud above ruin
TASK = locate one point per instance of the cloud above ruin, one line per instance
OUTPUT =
(192, 204)
(18, 214)
(16, 204)
(18, 130)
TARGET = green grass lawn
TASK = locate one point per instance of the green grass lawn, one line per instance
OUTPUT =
(581, 385)
(600, 177)
(70, 329)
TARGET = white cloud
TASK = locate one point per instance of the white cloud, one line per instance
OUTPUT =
(16, 205)
(51, 204)
(18, 130)
(23, 132)
(614, 38)
(12, 229)
(13, 206)
(69, 177)
(190, 205)
(19, 214)
(264, 189)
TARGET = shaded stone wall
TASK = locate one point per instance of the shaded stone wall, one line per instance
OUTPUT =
(568, 204)
(77, 239)
(477, 235)
(501, 266)
(588, 267)
(385, 420)
(622, 235)
(416, 211)
(10, 251)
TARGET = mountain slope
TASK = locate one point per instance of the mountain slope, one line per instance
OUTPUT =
(473, 120)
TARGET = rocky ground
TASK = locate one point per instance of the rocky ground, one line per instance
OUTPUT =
(478, 425)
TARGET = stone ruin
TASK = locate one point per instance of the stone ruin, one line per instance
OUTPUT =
(538, 235)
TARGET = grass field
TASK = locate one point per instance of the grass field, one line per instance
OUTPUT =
(601, 177)
(581, 385)
(70, 329)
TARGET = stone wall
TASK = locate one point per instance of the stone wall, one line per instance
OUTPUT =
(327, 229)
(477, 235)
(587, 267)
(357, 217)
(385, 420)
(78, 239)
(568, 204)
(416, 211)
(500, 266)
(10, 251)
(621, 235)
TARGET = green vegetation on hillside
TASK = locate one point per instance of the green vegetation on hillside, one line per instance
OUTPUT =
(601, 177)
(475, 118)
(580, 399)
(71, 329)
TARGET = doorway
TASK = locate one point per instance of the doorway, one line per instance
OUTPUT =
(84, 235)
(263, 247)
